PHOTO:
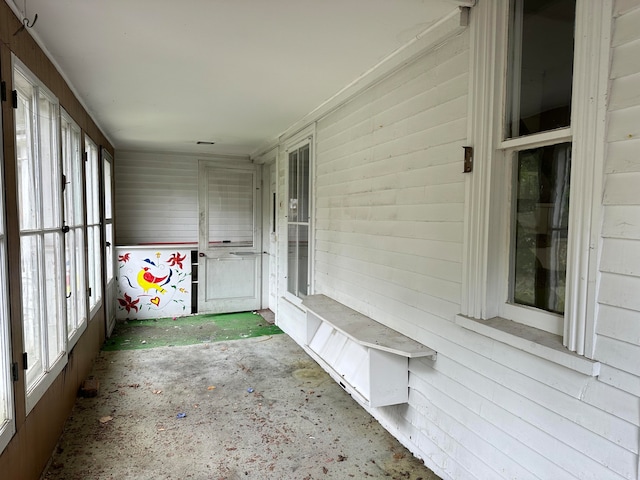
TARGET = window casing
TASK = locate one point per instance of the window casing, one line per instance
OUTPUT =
(94, 259)
(7, 422)
(107, 163)
(299, 220)
(76, 284)
(40, 223)
(555, 138)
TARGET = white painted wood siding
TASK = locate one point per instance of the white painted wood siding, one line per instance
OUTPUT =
(389, 206)
(390, 190)
(618, 323)
(156, 198)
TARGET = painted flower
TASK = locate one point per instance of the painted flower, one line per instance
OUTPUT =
(124, 258)
(176, 259)
(128, 303)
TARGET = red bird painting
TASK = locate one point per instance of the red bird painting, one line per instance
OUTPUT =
(148, 281)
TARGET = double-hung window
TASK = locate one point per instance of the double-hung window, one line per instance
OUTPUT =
(76, 287)
(39, 192)
(536, 149)
(298, 218)
(539, 90)
(93, 224)
(7, 423)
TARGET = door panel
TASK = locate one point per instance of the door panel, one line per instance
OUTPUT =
(229, 247)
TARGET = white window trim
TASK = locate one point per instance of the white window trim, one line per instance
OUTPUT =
(485, 219)
(305, 136)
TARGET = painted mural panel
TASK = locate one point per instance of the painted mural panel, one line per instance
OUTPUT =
(153, 282)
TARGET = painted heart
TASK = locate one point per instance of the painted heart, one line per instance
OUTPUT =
(155, 301)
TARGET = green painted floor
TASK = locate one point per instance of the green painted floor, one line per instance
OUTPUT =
(191, 330)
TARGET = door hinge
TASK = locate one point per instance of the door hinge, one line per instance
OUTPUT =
(25, 361)
(14, 99)
(64, 182)
(3, 91)
(85, 157)
(14, 371)
(89, 291)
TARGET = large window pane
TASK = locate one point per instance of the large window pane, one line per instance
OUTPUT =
(293, 187)
(540, 66)
(28, 171)
(39, 192)
(298, 221)
(7, 426)
(49, 166)
(54, 292)
(541, 227)
(74, 218)
(93, 223)
(30, 251)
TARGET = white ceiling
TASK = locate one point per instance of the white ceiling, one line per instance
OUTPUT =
(159, 75)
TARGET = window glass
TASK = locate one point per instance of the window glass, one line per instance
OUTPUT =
(7, 426)
(28, 186)
(39, 195)
(93, 223)
(540, 66)
(541, 227)
(298, 220)
(76, 288)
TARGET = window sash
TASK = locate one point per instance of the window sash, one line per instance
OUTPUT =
(94, 258)
(484, 267)
(41, 240)
(298, 221)
(76, 287)
(7, 423)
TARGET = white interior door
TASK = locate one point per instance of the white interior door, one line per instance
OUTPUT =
(229, 264)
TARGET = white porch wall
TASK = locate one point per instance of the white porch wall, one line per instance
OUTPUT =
(156, 198)
(389, 205)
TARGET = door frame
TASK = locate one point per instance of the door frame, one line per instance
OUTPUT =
(230, 253)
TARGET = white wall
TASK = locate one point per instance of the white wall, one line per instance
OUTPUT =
(156, 198)
(389, 231)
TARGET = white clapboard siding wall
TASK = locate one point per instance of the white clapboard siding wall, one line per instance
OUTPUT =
(618, 323)
(156, 198)
(389, 206)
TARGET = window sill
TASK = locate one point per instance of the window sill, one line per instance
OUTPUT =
(532, 340)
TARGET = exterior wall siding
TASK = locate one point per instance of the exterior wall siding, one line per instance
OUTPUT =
(156, 198)
(618, 322)
(389, 207)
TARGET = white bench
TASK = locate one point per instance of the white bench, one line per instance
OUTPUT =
(368, 359)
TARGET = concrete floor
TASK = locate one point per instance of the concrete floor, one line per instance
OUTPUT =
(256, 408)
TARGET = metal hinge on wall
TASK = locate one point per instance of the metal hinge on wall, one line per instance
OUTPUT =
(14, 371)
(14, 99)
(25, 361)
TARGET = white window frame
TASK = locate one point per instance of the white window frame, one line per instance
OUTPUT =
(94, 225)
(35, 388)
(305, 137)
(72, 160)
(7, 423)
(109, 234)
(486, 262)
